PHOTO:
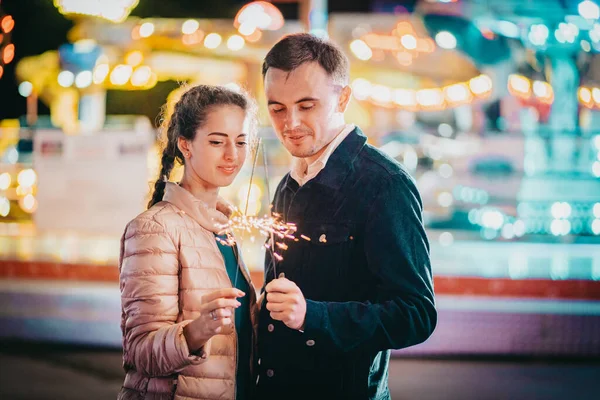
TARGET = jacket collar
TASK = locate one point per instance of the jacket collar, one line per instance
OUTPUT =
(210, 219)
(340, 163)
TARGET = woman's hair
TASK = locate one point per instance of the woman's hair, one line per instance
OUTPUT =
(189, 114)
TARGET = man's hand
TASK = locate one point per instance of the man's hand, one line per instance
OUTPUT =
(286, 303)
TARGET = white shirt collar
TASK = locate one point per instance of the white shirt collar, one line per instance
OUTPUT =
(302, 172)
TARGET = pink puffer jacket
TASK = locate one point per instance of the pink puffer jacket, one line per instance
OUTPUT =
(169, 260)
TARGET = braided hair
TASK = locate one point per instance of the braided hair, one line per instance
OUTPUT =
(188, 116)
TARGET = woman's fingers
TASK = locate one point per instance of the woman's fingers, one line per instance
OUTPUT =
(221, 303)
(219, 325)
(228, 293)
(221, 313)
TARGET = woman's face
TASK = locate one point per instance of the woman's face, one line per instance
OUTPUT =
(218, 151)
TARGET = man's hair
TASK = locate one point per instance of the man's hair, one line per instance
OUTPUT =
(296, 49)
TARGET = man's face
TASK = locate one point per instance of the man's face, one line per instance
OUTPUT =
(306, 108)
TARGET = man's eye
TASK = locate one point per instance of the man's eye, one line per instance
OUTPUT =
(215, 142)
(242, 143)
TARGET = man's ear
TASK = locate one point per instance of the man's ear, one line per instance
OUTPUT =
(344, 98)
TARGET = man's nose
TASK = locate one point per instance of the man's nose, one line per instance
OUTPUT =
(292, 119)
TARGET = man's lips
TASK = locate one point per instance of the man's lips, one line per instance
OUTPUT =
(296, 138)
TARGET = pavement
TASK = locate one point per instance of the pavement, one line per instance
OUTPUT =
(47, 371)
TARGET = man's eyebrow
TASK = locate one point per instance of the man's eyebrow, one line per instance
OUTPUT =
(302, 100)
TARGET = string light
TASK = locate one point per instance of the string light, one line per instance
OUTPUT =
(526, 89)
(111, 10)
(425, 99)
(7, 49)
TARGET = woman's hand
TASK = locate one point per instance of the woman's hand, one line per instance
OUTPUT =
(216, 314)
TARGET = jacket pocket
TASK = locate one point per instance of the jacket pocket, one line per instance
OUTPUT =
(327, 261)
(327, 234)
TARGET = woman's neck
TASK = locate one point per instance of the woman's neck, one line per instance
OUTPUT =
(200, 190)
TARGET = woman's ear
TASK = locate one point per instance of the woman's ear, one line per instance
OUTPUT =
(184, 147)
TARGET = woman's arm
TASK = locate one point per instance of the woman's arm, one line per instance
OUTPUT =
(154, 344)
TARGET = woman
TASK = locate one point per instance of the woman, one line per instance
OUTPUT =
(187, 298)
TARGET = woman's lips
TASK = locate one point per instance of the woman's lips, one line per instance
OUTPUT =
(227, 170)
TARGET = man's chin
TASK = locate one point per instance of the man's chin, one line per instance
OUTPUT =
(300, 153)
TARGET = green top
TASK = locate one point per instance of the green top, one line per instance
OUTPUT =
(243, 326)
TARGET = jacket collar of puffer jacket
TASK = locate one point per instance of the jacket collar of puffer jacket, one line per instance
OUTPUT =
(209, 218)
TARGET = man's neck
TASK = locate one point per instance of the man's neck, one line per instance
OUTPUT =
(311, 159)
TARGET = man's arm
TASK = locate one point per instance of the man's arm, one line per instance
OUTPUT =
(397, 253)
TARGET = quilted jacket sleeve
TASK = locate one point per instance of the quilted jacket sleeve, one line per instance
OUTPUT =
(153, 341)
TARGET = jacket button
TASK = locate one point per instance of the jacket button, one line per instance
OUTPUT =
(310, 343)
(259, 361)
(323, 238)
(270, 373)
(271, 328)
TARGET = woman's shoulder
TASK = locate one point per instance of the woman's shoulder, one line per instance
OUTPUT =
(158, 218)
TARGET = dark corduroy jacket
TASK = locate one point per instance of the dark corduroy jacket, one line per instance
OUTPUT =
(365, 274)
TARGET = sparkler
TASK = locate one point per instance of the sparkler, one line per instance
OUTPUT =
(270, 225)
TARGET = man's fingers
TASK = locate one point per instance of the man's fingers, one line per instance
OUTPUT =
(281, 285)
(277, 297)
(277, 307)
(229, 293)
(278, 315)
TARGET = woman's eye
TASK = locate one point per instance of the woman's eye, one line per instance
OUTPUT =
(307, 107)
(277, 110)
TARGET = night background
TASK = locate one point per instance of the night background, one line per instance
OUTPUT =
(40, 27)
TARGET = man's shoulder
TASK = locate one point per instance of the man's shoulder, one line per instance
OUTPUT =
(283, 181)
(377, 164)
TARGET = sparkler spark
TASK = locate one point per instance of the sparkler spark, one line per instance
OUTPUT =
(267, 226)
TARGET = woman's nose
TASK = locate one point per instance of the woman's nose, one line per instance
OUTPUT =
(230, 153)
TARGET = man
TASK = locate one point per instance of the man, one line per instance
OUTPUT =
(356, 281)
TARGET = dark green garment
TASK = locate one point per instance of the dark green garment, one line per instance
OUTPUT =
(243, 325)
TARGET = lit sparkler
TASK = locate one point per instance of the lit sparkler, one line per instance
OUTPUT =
(270, 226)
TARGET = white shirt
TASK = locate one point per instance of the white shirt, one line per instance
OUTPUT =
(302, 172)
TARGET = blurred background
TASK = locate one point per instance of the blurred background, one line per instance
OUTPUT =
(493, 106)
